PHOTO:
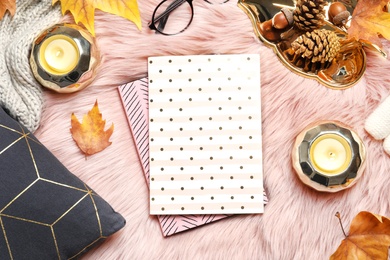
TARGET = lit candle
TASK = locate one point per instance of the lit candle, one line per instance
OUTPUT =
(331, 154)
(64, 58)
(328, 156)
(59, 54)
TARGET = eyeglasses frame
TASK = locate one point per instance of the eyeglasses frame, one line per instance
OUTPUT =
(164, 16)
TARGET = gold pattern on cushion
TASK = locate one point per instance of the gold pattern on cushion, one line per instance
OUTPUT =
(44, 209)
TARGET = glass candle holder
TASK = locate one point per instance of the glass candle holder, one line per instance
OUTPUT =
(64, 58)
(328, 156)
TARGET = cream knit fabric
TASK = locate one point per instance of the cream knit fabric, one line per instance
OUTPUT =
(378, 124)
(20, 93)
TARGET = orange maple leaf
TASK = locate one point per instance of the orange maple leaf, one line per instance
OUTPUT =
(83, 11)
(369, 20)
(90, 135)
(9, 5)
(369, 238)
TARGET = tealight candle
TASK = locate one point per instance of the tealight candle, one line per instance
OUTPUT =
(59, 54)
(64, 58)
(331, 154)
(328, 156)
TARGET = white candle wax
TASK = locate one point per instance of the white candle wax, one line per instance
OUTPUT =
(59, 55)
(331, 154)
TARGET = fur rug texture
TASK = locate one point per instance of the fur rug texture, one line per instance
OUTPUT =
(298, 223)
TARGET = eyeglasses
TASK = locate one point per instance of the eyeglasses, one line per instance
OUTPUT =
(174, 16)
(216, 2)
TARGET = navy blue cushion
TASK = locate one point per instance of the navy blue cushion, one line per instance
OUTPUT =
(46, 212)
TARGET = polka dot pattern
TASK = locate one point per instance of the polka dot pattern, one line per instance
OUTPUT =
(205, 134)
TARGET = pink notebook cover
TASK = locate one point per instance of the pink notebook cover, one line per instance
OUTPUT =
(134, 96)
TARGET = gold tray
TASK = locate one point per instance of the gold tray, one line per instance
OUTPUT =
(346, 69)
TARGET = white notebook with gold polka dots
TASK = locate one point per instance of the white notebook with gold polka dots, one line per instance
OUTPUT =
(205, 134)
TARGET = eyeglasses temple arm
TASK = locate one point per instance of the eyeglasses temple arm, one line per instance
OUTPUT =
(164, 16)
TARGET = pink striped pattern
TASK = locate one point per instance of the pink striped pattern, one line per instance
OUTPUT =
(134, 96)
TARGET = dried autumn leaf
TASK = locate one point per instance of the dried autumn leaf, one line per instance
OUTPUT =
(9, 5)
(369, 20)
(369, 238)
(83, 11)
(90, 135)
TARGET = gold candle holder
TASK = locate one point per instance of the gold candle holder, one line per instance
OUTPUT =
(328, 156)
(64, 58)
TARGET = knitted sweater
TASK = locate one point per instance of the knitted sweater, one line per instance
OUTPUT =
(20, 93)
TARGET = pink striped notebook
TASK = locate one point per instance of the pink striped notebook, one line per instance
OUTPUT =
(134, 96)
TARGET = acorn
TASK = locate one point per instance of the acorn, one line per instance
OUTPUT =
(338, 14)
(269, 32)
(283, 19)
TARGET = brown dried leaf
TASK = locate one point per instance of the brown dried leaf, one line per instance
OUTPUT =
(369, 20)
(9, 5)
(90, 135)
(369, 238)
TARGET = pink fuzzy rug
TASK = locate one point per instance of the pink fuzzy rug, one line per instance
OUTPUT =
(298, 222)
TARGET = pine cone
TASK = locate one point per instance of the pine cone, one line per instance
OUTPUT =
(309, 14)
(314, 50)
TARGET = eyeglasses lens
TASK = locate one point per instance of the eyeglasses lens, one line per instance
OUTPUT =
(172, 16)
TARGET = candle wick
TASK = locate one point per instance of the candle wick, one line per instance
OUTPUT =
(58, 53)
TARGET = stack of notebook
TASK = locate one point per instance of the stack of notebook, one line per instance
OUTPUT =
(196, 123)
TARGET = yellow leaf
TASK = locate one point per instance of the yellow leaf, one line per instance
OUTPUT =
(369, 238)
(9, 5)
(369, 20)
(90, 135)
(83, 11)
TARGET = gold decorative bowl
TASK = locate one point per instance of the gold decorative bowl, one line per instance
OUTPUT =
(345, 70)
